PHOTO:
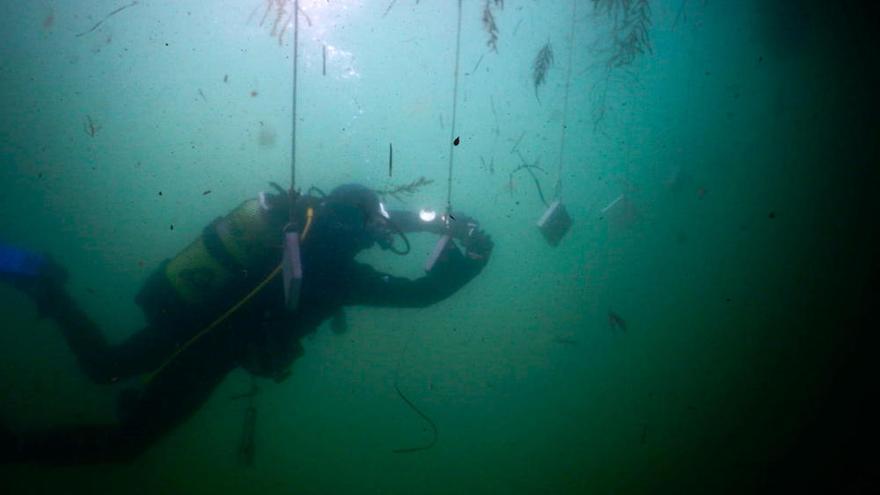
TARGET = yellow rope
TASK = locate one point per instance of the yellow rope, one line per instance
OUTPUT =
(213, 324)
(149, 378)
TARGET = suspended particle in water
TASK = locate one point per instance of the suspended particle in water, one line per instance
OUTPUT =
(456, 141)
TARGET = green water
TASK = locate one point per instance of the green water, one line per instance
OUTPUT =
(742, 146)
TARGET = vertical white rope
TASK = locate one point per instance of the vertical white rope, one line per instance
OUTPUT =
(558, 192)
(452, 135)
(293, 106)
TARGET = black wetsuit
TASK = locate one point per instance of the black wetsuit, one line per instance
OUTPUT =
(262, 327)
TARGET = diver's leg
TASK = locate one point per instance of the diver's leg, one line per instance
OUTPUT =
(102, 362)
(169, 399)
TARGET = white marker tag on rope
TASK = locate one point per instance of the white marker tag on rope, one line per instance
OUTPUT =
(438, 251)
(291, 266)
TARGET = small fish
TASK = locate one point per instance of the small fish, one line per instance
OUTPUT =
(225, 77)
(616, 322)
(206, 192)
(49, 20)
(90, 126)
(339, 322)
(559, 339)
(202, 94)
(247, 444)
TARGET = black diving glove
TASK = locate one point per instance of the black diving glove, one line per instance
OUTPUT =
(476, 242)
(477, 248)
(478, 245)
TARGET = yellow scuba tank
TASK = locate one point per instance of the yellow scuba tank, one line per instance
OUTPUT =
(231, 255)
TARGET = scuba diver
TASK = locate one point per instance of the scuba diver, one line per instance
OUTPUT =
(218, 305)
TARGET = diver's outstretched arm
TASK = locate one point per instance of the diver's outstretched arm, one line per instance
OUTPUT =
(144, 415)
(451, 271)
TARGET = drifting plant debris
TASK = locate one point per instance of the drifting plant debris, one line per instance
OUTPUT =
(518, 140)
(404, 189)
(409, 403)
(497, 129)
(111, 14)
(530, 168)
(477, 65)
(390, 5)
(516, 28)
(283, 17)
(490, 167)
(628, 38)
(490, 26)
(680, 14)
(247, 445)
(432, 442)
(630, 22)
(543, 61)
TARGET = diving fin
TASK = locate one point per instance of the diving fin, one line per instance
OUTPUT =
(18, 262)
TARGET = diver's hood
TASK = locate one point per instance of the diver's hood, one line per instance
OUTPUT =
(356, 203)
(351, 217)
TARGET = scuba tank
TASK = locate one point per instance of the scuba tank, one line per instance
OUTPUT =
(237, 256)
(218, 268)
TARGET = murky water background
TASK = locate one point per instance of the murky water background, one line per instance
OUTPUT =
(718, 186)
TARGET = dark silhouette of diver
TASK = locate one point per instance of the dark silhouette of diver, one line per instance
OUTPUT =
(214, 284)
